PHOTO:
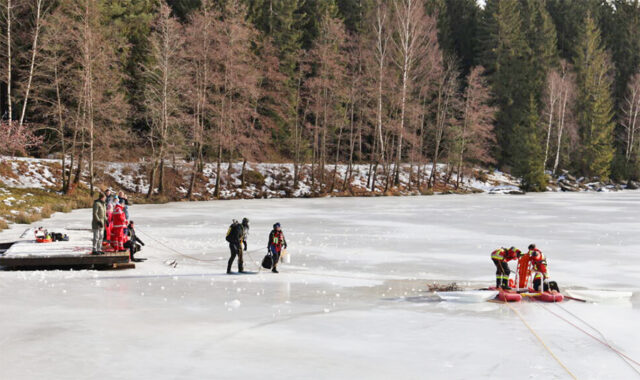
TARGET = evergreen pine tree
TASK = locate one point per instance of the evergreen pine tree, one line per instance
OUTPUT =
(132, 21)
(506, 56)
(543, 41)
(529, 158)
(594, 103)
(282, 21)
(626, 56)
(457, 29)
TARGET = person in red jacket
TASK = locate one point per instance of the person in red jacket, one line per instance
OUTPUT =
(275, 245)
(500, 257)
(539, 267)
(118, 224)
(107, 229)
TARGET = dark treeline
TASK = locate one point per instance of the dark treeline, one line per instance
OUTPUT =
(524, 85)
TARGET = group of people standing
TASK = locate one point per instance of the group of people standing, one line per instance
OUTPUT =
(237, 235)
(502, 256)
(113, 231)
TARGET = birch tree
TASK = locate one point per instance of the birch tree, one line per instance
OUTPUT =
(551, 99)
(38, 10)
(630, 118)
(8, 45)
(416, 45)
(379, 67)
(565, 117)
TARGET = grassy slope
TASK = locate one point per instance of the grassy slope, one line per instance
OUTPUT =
(25, 206)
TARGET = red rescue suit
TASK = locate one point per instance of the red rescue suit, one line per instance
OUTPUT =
(539, 266)
(118, 224)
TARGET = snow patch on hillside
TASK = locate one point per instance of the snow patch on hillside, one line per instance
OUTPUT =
(29, 173)
(261, 180)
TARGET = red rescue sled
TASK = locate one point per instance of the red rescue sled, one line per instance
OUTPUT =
(551, 296)
(524, 271)
(507, 295)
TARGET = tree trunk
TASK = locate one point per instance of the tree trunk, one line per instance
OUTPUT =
(549, 124)
(192, 181)
(218, 171)
(152, 179)
(335, 166)
(244, 165)
(34, 50)
(65, 184)
(78, 176)
(72, 159)
(161, 184)
(9, 57)
(323, 144)
(403, 106)
(560, 130)
(297, 133)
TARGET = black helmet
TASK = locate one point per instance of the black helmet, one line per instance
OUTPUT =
(245, 221)
(532, 246)
(276, 225)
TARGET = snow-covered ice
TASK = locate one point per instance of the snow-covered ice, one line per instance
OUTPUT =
(353, 303)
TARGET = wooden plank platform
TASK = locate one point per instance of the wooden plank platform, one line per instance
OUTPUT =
(106, 261)
(28, 254)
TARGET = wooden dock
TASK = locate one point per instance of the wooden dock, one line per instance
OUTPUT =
(27, 254)
(114, 260)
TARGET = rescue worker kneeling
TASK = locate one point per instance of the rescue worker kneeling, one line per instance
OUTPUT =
(539, 266)
(500, 257)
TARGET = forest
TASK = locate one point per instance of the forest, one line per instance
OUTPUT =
(530, 87)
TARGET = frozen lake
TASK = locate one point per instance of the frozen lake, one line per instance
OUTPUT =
(353, 303)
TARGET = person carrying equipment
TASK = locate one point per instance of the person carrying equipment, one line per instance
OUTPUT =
(235, 237)
(245, 232)
(133, 244)
(539, 266)
(275, 245)
(500, 257)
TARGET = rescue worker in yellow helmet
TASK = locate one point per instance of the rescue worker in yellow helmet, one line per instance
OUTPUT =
(500, 257)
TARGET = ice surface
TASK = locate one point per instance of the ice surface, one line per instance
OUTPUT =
(353, 303)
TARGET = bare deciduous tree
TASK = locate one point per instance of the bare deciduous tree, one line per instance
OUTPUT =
(327, 89)
(551, 97)
(630, 117)
(566, 122)
(17, 138)
(238, 83)
(447, 105)
(381, 37)
(76, 83)
(475, 138)
(38, 10)
(162, 93)
(416, 45)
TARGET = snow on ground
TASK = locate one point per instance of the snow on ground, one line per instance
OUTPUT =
(276, 181)
(29, 173)
(353, 303)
